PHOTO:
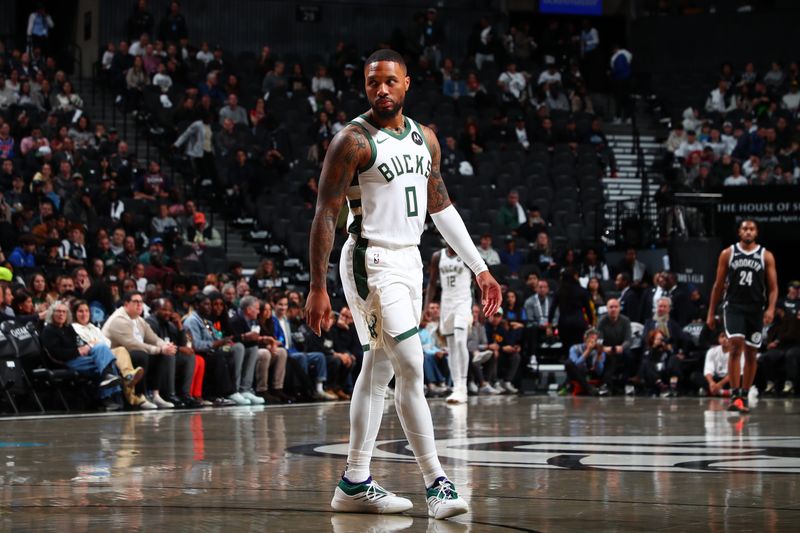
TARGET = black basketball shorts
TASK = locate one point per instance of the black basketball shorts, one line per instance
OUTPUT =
(744, 322)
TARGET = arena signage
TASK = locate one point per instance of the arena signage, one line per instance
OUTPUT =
(688, 454)
(572, 7)
(776, 210)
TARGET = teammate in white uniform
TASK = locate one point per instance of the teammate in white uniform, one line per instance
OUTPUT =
(448, 271)
(387, 167)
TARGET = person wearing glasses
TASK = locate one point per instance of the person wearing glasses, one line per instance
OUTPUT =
(126, 327)
(63, 346)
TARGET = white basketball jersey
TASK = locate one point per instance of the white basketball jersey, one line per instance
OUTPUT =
(455, 278)
(388, 198)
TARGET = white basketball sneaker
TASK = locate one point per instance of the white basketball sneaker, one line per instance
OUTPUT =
(367, 497)
(459, 395)
(444, 501)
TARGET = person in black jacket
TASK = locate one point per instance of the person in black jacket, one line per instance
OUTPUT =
(574, 310)
(173, 26)
(141, 21)
(167, 325)
(339, 364)
(62, 345)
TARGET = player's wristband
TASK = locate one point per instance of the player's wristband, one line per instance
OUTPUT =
(452, 228)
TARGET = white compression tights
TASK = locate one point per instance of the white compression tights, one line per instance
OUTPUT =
(458, 358)
(404, 360)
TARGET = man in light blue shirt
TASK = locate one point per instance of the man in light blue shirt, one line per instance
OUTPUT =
(586, 360)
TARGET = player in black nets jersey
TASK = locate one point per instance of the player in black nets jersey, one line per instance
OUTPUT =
(746, 273)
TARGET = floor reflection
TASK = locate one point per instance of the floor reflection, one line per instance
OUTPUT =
(239, 469)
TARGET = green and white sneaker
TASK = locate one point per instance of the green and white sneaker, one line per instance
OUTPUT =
(367, 497)
(444, 501)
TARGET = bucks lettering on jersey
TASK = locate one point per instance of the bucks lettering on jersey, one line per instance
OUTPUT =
(455, 279)
(746, 278)
(388, 198)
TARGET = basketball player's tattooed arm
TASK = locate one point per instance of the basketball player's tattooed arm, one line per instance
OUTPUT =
(348, 151)
(772, 287)
(433, 278)
(719, 286)
(438, 199)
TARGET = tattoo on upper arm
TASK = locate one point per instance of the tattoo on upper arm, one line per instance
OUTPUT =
(438, 199)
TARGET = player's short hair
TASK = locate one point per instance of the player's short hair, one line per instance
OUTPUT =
(386, 54)
(745, 220)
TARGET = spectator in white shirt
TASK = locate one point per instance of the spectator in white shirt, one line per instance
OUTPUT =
(736, 178)
(691, 144)
(233, 111)
(751, 166)
(521, 133)
(512, 84)
(676, 138)
(205, 55)
(551, 75)
(322, 82)
(728, 137)
(715, 370)
(138, 48)
(691, 119)
(108, 56)
(721, 100)
(487, 253)
(791, 100)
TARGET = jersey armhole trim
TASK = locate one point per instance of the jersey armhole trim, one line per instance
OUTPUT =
(373, 148)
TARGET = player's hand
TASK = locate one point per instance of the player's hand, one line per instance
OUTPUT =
(711, 323)
(769, 316)
(318, 306)
(490, 293)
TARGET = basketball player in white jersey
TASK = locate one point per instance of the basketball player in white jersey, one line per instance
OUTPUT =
(387, 168)
(449, 272)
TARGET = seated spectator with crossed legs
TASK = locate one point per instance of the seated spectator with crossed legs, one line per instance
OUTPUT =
(92, 335)
(61, 342)
(126, 327)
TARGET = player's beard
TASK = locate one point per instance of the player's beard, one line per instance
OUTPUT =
(390, 112)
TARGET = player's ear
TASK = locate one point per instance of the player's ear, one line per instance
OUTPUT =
(408, 82)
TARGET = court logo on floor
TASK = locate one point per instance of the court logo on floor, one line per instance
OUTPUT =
(774, 455)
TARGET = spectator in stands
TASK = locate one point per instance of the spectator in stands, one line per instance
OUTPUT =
(141, 21)
(586, 361)
(506, 348)
(434, 358)
(572, 304)
(487, 253)
(91, 335)
(471, 141)
(126, 328)
(481, 356)
(24, 256)
(659, 352)
(275, 81)
(40, 23)
(284, 330)
(592, 266)
(513, 86)
(532, 227)
(596, 297)
(736, 178)
(714, 379)
(61, 343)
(774, 77)
(511, 256)
(322, 82)
(791, 100)
(212, 89)
(271, 357)
(721, 100)
(514, 310)
(615, 332)
(621, 79)
(233, 111)
(543, 256)
(597, 138)
(781, 358)
(199, 141)
(173, 28)
(661, 321)
(166, 324)
(511, 215)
